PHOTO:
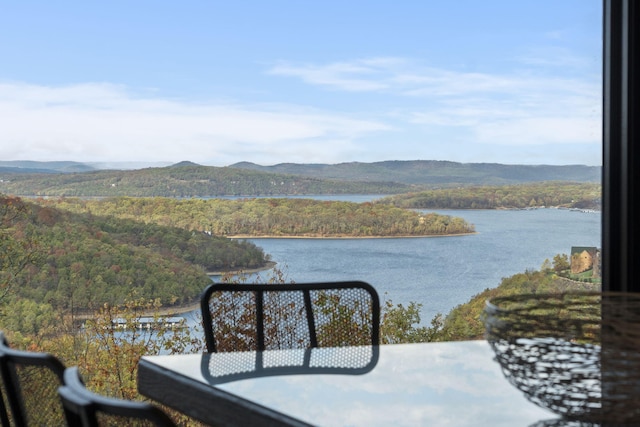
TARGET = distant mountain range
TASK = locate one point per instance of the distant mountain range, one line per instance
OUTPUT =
(187, 179)
(22, 166)
(435, 172)
(29, 166)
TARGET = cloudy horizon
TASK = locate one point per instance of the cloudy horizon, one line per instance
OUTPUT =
(528, 93)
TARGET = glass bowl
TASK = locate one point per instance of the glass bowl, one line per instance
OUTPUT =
(576, 354)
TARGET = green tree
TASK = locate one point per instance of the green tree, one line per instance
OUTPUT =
(19, 246)
(561, 263)
(400, 324)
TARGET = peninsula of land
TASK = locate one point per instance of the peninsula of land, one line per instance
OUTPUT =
(274, 217)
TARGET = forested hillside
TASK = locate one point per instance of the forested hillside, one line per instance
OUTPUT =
(272, 217)
(547, 194)
(187, 179)
(70, 260)
(433, 173)
(182, 180)
(464, 322)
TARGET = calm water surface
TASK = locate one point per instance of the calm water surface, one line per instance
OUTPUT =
(440, 272)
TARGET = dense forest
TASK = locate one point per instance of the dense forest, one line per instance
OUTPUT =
(188, 179)
(435, 172)
(182, 180)
(545, 194)
(279, 217)
(76, 260)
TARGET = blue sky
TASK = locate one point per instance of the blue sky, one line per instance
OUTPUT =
(329, 81)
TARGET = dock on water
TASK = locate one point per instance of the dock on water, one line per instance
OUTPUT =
(150, 322)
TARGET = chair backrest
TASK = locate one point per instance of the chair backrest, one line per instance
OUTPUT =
(247, 317)
(83, 407)
(30, 381)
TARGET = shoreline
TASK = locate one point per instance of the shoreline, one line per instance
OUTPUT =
(177, 310)
(248, 236)
(195, 305)
(269, 265)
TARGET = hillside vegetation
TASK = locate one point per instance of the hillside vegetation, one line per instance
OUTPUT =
(272, 217)
(547, 194)
(464, 322)
(188, 179)
(64, 260)
(433, 173)
(182, 180)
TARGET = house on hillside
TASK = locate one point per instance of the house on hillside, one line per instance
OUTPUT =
(585, 258)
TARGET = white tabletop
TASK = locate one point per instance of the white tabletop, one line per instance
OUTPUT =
(456, 384)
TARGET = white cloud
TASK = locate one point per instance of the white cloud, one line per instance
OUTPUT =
(538, 131)
(101, 122)
(338, 75)
(531, 107)
(430, 113)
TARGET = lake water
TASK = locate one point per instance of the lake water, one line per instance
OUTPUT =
(439, 272)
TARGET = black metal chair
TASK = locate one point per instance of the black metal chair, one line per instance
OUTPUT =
(83, 408)
(249, 317)
(29, 382)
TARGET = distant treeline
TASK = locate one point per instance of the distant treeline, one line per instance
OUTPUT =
(273, 217)
(556, 194)
(183, 180)
(188, 179)
(436, 172)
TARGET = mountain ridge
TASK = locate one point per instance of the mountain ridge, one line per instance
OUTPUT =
(188, 179)
(434, 172)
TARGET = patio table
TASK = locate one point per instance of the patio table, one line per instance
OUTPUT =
(439, 384)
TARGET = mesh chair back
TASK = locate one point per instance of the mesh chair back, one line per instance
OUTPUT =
(248, 317)
(83, 408)
(30, 381)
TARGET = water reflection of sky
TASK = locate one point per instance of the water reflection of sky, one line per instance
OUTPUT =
(433, 384)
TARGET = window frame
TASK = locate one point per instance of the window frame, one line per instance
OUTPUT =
(621, 159)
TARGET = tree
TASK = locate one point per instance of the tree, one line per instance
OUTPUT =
(561, 263)
(18, 246)
(399, 324)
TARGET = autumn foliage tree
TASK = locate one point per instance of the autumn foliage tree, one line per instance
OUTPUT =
(19, 246)
(273, 217)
